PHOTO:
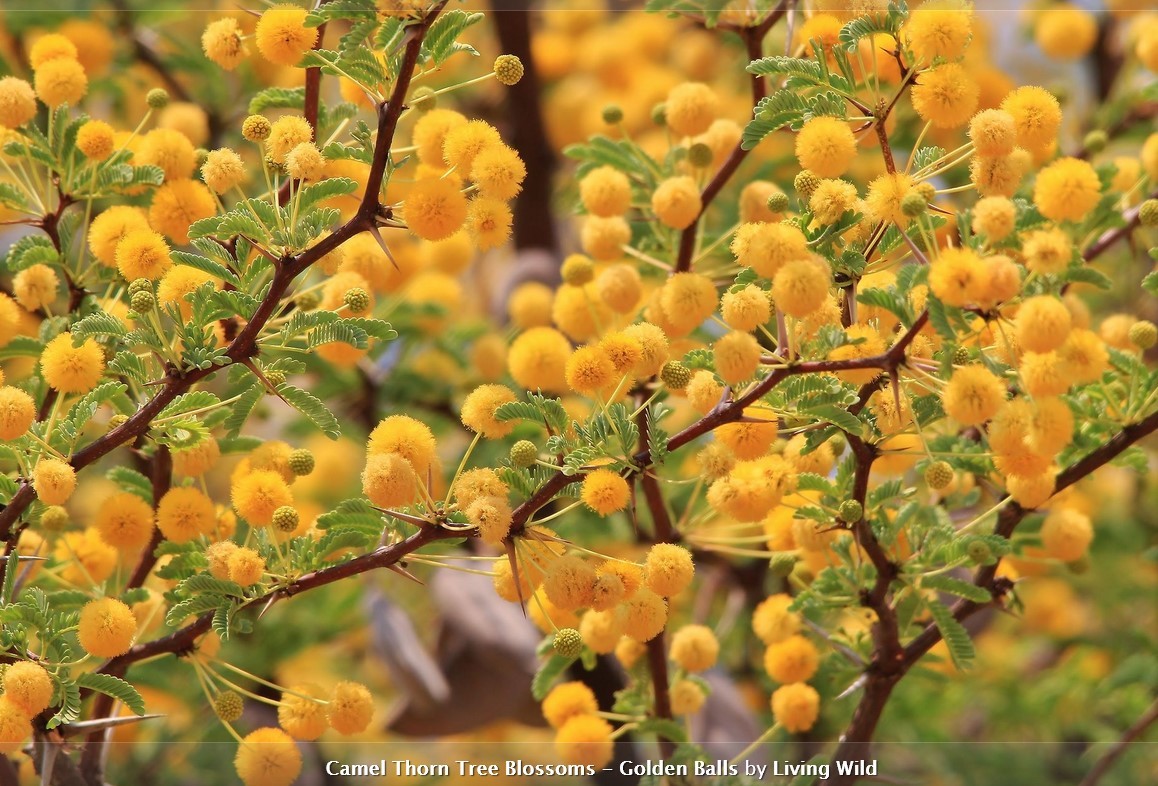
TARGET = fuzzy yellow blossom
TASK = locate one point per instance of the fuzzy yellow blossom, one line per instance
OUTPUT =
(654, 346)
(585, 740)
(1037, 115)
(218, 554)
(1085, 356)
(389, 481)
(434, 208)
(538, 359)
(695, 648)
(17, 102)
(499, 172)
(17, 412)
(993, 132)
(973, 395)
(185, 513)
(568, 700)
(404, 435)
(15, 726)
(994, 217)
(1065, 32)
(305, 162)
(588, 369)
(489, 222)
(676, 202)
(52, 46)
(1043, 374)
(939, 29)
(604, 238)
(690, 108)
(1047, 250)
(430, 132)
(826, 146)
(832, 199)
(110, 227)
(570, 583)
(28, 686)
(222, 43)
(605, 191)
(800, 287)
(125, 521)
(179, 282)
(643, 615)
(687, 697)
(1066, 534)
(885, 195)
(958, 277)
(169, 150)
(687, 299)
(302, 717)
(245, 566)
(106, 628)
(464, 142)
(142, 253)
(285, 134)
(177, 205)
(69, 369)
(945, 96)
(258, 494)
(492, 517)
(35, 286)
(620, 287)
(737, 356)
(1031, 491)
(795, 707)
(1052, 427)
(767, 247)
(772, 622)
(54, 481)
(605, 492)
(529, 305)
(282, 36)
(752, 488)
(60, 81)
(1067, 190)
(755, 199)
(478, 410)
(998, 175)
(668, 569)
(1043, 323)
(746, 309)
(95, 140)
(1004, 279)
(268, 757)
(351, 708)
(794, 659)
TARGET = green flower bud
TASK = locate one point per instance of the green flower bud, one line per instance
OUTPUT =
(659, 114)
(612, 114)
(524, 453)
(700, 155)
(54, 518)
(938, 475)
(1095, 141)
(140, 285)
(286, 518)
(577, 270)
(508, 69)
(228, 705)
(1148, 213)
(142, 302)
(851, 511)
(778, 202)
(157, 98)
(1143, 334)
(423, 99)
(913, 205)
(675, 375)
(805, 183)
(307, 301)
(301, 462)
(568, 643)
(357, 300)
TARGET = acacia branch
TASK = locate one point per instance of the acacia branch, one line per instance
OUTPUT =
(1133, 218)
(1130, 736)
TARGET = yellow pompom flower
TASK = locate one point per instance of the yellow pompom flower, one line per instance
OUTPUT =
(1043, 323)
(767, 247)
(1031, 491)
(1037, 115)
(51, 46)
(430, 132)
(351, 708)
(620, 287)
(605, 492)
(793, 659)
(268, 756)
(795, 707)
(676, 202)
(939, 28)
(529, 305)
(15, 726)
(185, 513)
(478, 410)
(95, 140)
(389, 481)
(772, 622)
(826, 146)
(885, 195)
(434, 208)
(1004, 279)
(690, 108)
(605, 191)
(746, 309)
(29, 686)
(687, 697)
(404, 435)
(69, 369)
(643, 615)
(585, 739)
(142, 253)
(654, 345)
(624, 352)
(489, 222)
(568, 700)
(994, 217)
(258, 494)
(35, 286)
(800, 287)
(1067, 190)
(463, 143)
(973, 395)
(301, 717)
(1065, 32)
(999, 175)
(1085, 356)
(737, 356)
(604, 238)
(54, 481)
(668, 569)
(179, 282)
(958, 277)
(1047, 250)
(245, 566)
(106, 628)
(179, 203)
(492, 517)
(993, 132)
(282, 36)
(499, 172)
(831, 199)
(60, 81)
(1043, 374)
(169, 150)
(687, 299)
(110, 227)
(305, 162)
(570, 583)
(1066, 534)
(538, 358)
(588, 369)
(222, 43)
(17, 102)
(17, 412)
(945, 96)
(695, 648)
(125, 521)
(1052, 427)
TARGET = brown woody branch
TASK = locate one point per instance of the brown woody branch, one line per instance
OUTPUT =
(1131, 735)
(1133, 218)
